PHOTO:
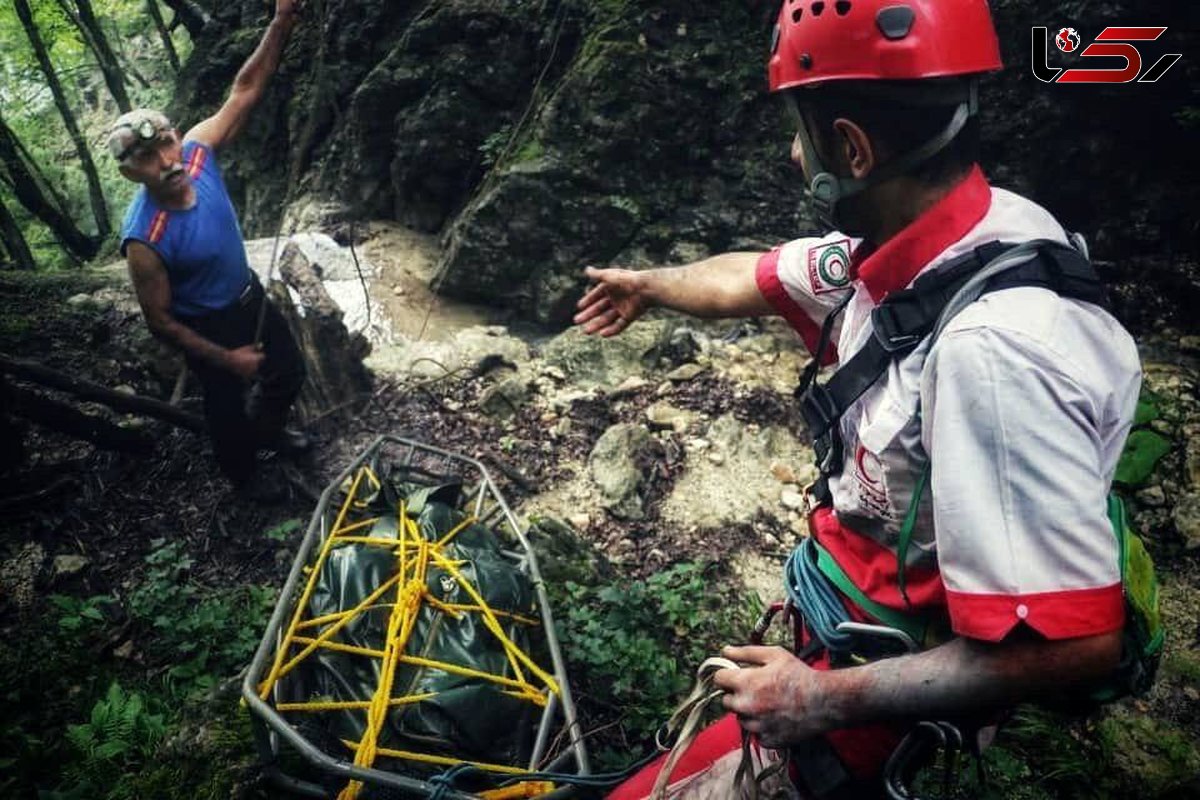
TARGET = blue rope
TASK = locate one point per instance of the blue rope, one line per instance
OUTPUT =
(815, 597)
(444, 783)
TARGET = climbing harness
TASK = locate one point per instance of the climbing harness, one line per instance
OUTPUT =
(904, 319)
(403, 616)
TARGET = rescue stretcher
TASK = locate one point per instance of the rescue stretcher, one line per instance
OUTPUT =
(288, 715)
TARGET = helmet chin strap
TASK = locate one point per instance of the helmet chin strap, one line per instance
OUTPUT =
(826, 190)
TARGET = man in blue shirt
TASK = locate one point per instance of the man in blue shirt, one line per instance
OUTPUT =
(189, 268)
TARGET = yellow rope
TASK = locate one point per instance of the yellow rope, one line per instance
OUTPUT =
(426, 758)
(351, 705)
(281, 652)
(414, 553)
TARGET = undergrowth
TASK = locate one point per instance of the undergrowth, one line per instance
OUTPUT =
(633, 649)
(150, 725)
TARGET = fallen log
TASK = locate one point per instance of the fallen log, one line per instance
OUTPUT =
(87, 390)
(63, 418)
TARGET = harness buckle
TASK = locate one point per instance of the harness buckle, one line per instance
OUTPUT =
(819, 410)
(888, 332)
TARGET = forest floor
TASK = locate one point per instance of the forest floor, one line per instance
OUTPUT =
(133, 589)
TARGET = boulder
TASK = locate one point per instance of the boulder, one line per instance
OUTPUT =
(503, 398)
(332, 354)
(616, 469)
(590, 361)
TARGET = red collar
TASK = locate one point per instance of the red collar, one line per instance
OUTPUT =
(894, 264)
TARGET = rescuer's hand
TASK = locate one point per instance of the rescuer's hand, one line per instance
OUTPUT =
(245, 361)
(776, 695)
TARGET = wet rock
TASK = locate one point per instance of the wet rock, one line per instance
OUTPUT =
(505, 397)
(686, 372)
(616, 471)
(1152, 497)
(1187, 519)
(591, 361)
(67, 566)
(666, 416)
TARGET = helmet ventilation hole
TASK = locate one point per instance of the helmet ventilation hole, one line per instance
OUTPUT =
(842, 7)
(817, 8)
(797, 14)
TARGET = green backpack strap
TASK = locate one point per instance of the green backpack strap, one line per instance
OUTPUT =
(906, 530)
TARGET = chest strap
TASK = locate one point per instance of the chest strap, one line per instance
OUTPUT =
(905, 318)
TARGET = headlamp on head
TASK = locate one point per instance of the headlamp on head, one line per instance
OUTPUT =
(143, 132)
(134, 129)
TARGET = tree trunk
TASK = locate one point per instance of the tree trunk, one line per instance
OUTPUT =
(192, 16)
(95, 192)
(25, 184)
(85, 20)
(128, 403)
(164, 34)
(14, 240)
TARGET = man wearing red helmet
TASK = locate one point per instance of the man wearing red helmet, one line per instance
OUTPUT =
(962, 500)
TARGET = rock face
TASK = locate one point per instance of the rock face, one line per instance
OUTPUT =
(539, 137)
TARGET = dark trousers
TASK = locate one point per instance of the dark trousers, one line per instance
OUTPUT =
(236, 436)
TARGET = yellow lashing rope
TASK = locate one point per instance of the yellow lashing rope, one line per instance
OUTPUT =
(414, 554)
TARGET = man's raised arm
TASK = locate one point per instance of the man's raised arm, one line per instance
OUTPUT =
(250, 83)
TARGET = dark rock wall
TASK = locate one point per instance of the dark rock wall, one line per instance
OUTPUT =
(541, 135)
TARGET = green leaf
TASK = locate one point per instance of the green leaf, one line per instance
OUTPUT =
(1147, 409)
(1142, 452)
(279, 532)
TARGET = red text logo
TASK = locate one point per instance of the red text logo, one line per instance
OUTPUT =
(1113, 42)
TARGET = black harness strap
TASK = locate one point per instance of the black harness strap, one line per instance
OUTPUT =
(902, 320)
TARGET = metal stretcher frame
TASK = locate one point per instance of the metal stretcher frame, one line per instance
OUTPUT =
(271, 730)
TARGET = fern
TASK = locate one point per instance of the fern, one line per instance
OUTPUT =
(121, 733)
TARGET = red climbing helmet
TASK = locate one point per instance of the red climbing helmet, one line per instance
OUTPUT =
(822, 40)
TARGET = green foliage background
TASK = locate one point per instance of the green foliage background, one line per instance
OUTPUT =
(29, 108)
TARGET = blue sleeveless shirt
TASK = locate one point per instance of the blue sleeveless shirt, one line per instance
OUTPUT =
(201, 247)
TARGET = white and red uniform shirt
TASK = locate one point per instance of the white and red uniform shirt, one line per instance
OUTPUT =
(1022, 406)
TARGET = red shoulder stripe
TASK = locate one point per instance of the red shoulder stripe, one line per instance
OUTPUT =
(196, 162)
(158, 226)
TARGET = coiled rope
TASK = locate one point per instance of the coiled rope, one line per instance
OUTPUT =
(815, 597)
